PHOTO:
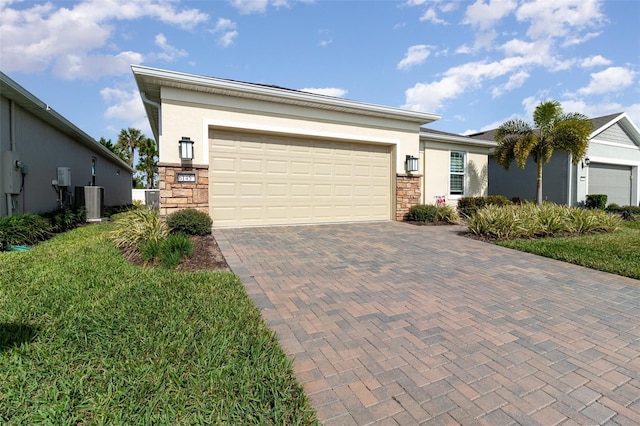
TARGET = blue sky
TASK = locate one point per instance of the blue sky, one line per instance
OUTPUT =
(476, 63)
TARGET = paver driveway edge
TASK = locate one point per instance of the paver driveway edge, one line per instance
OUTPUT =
(397, 324)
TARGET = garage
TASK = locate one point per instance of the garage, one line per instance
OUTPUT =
(263, 179)
(613, 180)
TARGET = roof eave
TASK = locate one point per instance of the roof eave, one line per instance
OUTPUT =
(144, 75)
(458, 139)
(44, 112)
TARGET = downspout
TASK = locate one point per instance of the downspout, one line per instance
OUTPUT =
(569, 183)
(12, 147)
(157, 105)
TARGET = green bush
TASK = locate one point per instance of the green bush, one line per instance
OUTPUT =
(137, 227)
(423, 212)
(189, 221)
(627, 212)
(467, 206)
(24, 229)
(446, 214)
(65, 219)
(174, 249)
(529, 220)
(596, 201)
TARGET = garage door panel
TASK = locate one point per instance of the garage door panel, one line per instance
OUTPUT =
(613, 180)
(265, 180)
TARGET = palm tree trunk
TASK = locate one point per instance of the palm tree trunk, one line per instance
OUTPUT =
(539, 184)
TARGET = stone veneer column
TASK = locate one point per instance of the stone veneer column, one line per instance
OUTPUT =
(407, 194)
(176, 195)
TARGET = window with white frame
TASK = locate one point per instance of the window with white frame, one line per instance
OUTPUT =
(456, 173)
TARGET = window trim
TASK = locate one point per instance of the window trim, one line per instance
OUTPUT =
(463, 174)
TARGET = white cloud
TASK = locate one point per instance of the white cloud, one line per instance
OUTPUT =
(126, 106)
(246, 7)
(485, 15)
(227, 30)
(432, 16)
(560, 19)
(327, 91)
(69, 40)
(612, 79)
(515, 80)
(594, 61)
(415, 55)
(464, 49)
(169, 53)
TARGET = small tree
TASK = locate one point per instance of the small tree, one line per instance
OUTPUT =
(148, 161)
(118, 150)
(130, 139)
(517, 139)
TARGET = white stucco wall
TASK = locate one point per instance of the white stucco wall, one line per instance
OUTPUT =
(435, 157)
(191, 114)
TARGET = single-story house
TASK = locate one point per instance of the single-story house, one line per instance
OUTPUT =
(611, 166)
(252, 154)
(46, 161)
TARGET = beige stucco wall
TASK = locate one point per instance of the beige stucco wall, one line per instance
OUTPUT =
(434, 162)
(43, 148)
(189, 113)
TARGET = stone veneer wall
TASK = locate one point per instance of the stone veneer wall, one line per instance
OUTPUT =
(176, 195)
(407, 194)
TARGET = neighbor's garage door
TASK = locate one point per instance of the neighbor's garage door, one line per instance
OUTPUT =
(275, 180)
(615, 181)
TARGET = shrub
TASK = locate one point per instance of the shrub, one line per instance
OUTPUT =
(23, 229)
(627, 212)
(169, 251)
(423, 212)
(65, 219)
(467, 206)
(446, 214)
(174, 248)
(138, 227)
(189, 221)
(596, 201)
(529, 220)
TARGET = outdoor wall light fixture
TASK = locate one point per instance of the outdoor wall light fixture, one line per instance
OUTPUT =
(186, 148)
(586, 162)
(411, 163)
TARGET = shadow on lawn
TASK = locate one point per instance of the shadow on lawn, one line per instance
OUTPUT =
(13, 335)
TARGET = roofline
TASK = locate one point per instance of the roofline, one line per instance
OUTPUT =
(458, 139)
(278, 94)
(42, 110)
(629, 125)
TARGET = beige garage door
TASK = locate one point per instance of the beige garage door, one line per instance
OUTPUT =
(275, 180)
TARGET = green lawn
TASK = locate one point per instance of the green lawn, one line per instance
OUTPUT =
(87, 338)
(617, 252)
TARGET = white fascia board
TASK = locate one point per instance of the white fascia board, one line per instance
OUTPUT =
(275, 94)
(456, 139)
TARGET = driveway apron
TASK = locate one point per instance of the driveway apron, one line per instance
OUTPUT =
(391, 323)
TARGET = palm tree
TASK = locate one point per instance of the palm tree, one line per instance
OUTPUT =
(148, 161)
(517, 139)
(130, 139)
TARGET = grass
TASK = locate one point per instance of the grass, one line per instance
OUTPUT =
(87, 338)
(617, 252)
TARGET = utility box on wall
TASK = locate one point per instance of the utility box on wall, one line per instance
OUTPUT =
(12, 172)
(64, 176)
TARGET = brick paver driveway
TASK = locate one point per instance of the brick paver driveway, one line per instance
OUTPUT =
(399, 324)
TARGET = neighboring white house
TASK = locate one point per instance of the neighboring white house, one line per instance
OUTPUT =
(44, 157)
(266, 155)
(611, 166)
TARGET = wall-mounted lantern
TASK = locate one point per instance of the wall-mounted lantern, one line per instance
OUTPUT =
(186, 148)
(411, 163)
(586, 162)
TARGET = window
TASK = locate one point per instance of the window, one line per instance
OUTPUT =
(456, 173)
(93, 172)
